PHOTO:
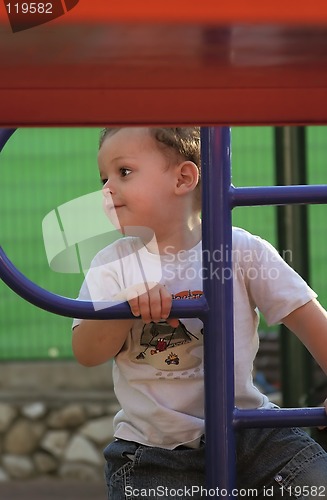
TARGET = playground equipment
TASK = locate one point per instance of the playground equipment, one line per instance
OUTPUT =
(215, 309)
(223, 72)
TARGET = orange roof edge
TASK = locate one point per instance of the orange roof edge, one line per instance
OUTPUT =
(301, 12)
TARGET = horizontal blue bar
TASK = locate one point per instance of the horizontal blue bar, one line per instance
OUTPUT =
(184, 308)
(280, 417)
(277, 195)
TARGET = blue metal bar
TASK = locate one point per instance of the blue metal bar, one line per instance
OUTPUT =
(279, 417)
(83, 309)
(218, 324)
(5, 134)
(277, 195)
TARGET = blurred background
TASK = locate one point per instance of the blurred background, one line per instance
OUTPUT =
(42, 169)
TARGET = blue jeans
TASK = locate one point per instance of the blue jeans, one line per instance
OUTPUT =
(275, 463)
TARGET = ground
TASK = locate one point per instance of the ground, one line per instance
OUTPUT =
(53, 489)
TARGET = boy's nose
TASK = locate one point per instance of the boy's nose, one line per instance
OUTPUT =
(109, 185)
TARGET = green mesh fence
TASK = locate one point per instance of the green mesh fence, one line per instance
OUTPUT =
(42, 169)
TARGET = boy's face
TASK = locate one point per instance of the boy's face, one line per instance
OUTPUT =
(138, 183)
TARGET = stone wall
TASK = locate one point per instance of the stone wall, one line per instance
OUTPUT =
(55, 419)
(56, 416)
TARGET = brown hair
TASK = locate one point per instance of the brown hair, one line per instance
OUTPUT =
(176, 142)
(183, 141)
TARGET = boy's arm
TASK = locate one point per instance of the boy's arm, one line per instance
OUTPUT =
(96, 341)
(309, 323)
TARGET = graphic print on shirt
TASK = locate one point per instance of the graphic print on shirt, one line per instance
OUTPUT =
(172, 349)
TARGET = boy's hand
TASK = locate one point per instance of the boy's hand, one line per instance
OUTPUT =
(151, 301)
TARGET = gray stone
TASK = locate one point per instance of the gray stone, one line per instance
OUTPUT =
(99, 430)
(23, 437)
(113, 408)
(81, 450)
(3, 476)
(34, 411)
(95, 410)
(82, 472)
(55, 442)
(71, 416)
(18, 467)
(7, 414)
(45, 462)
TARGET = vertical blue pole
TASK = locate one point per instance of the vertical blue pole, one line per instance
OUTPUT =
(218, 323)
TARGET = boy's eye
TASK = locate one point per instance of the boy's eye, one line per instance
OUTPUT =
(103, 181)
(124, 172)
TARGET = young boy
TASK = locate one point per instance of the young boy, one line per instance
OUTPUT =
(151, 184)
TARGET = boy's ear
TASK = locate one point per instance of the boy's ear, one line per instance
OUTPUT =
(187, 177)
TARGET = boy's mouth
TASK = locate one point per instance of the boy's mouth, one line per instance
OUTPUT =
(113, 206)
(109, 202)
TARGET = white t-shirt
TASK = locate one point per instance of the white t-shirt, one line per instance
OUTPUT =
(158, 374)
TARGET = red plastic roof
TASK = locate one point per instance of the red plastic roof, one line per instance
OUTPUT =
(168, 62)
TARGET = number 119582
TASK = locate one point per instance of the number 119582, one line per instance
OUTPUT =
(29, 8)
